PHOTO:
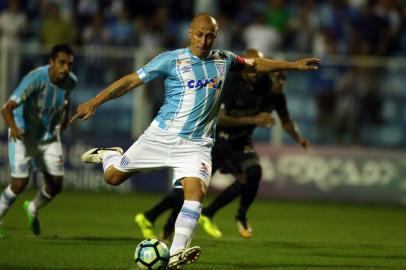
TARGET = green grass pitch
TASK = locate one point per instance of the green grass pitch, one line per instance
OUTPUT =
(96, 231)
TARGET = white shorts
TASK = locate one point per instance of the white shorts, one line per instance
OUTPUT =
(157, 148)
(24, 157)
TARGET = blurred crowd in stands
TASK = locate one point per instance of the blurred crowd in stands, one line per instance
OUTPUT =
(361, 27)
(342, 103)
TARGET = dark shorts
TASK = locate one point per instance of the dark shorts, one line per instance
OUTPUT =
(233, 157)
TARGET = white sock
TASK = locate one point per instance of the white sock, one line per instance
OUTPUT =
(41, 199)
(185, 224)
(7, 198)
(110, 158)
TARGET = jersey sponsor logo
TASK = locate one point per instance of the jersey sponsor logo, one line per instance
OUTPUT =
(209, 83)
(220, 68)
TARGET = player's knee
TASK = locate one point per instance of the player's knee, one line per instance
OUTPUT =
(18, 186)
(253, 173)
(53, 189)
(194, 190)
(114, 179)
(58, 188)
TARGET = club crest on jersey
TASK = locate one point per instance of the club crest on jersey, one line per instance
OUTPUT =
(209, 83)
(186, 68)
(220, 68)
(184, 65)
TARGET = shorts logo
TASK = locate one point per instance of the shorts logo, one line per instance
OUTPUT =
(124, 161)
(204, 170)
(23, 167)
(220, 68)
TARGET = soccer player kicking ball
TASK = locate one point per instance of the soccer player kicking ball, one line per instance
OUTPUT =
(181, 135)
(36, 113)
(247, 102)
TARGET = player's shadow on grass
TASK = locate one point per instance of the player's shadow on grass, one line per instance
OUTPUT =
(11, 267)
(109, 239)
(281, 266)
(323, 245)
(333, 255)
(328, 250)
(303, 245)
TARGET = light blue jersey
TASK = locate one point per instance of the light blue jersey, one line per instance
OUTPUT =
(40, 104)
(192, 90)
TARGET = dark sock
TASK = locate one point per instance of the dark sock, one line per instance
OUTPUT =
(248, 194)
(169, 226)
(165, 204)
(223, 199)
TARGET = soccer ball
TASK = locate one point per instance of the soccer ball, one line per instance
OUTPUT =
(151, 254)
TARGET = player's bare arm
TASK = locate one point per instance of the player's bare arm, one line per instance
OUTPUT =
(7, 112)
(114, 90)
(270, 65)
(263, 119)
(290, 128)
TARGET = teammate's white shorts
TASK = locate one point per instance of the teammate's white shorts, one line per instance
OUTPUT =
(157, 148)
(24, 157)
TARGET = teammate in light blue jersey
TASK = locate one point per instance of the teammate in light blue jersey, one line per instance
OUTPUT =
(181, 136)
(36, 113)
